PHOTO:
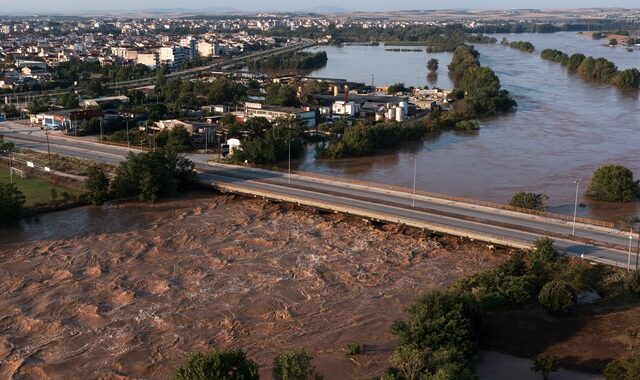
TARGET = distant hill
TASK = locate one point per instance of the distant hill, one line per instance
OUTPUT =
(325, 9)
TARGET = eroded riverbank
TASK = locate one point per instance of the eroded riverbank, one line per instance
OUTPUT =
(128, 291)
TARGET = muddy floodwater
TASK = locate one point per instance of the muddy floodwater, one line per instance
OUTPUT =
(128, 291)
(563, 130)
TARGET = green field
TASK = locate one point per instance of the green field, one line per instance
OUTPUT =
(36, 191)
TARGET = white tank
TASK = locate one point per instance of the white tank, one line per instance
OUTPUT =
(336, 90)
(391, 113)
(399, 114)
(405, 107)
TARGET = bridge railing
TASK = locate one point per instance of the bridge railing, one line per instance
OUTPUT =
(476, 202)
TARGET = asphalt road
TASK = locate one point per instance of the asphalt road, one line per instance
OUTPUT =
(595, 243)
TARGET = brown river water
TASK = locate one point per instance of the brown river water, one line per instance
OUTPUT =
(563, 130)
(128, 291)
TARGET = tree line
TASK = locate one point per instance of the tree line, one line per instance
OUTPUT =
(596, 69)
(520, 45)
(291, 61)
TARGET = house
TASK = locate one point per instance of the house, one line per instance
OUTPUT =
(306, 116)
(65, 119)
(98, 102)
(344, 108)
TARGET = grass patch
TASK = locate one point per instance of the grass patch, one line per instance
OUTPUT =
(36, 191)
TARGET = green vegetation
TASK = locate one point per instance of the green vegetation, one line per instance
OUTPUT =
(558, 297)
(433, 65)
(179, 95)
(530, 201)
(294, 365)
(520, 45)
(438, 337)
(545, 364)
(361, 139)
(226, 364)
(613, 183)
(291, 61)
(353, 349)
(150, 175)
(270, 146)
(282, 95)
(11, 203)
(626, 367)
(97, 185)
(397, 88)
(36, 191)
(596, 69)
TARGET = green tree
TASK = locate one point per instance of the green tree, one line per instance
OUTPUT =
(627, 367)
(97, 185)
(627, 79)
(282, 95)
(294, 365)
(613, 42)
(531, 201)
(396, 88)
(632, 283)
(225, 364)
(545, 364)
(11, 203)
(149, 175)
(543, 260)
(613, 183)
(557, 297)
(433, 64)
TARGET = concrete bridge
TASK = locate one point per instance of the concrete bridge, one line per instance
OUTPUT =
(491, 223)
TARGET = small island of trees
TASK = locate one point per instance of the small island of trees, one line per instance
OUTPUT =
(291, 61)
(520, 45)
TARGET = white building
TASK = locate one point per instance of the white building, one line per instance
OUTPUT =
(151, 60)
(344, 108)
(208, 49)
(173, 56)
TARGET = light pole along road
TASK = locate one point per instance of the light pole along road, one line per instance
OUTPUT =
(442, 215)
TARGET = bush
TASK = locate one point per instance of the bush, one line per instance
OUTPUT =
(557, 297)
(632, 283)
(227, 364)
(613, 183)
(493, 288)
(294, 365)
(97, 185)
(353, 349)
(154, 174)
(543, 260)
(545, 364)
(11, 203)
(530, 201)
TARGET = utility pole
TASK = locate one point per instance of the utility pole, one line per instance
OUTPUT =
(128, 144)
(638, 249)
(289, 177)
(575, 208)
(629, 259)
(10, 168)
(101, 132)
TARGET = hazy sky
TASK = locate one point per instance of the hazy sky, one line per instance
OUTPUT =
(40, 6)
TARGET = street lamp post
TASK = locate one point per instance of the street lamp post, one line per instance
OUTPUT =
(289, 176)
(128, 144)
(415, 176)
(575, 208)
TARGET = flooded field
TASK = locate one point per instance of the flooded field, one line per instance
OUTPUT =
(563, 130)
(128, 291)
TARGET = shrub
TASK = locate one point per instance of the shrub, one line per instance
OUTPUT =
(530, 201)
(545, 364)
(613, 183)
(227, 364)
(543, 260)
(11, 203)
(493, 288)
(353, 349)
(97, 185)
(557, 297)
(632, 283)
(294, 365)
(626, 367)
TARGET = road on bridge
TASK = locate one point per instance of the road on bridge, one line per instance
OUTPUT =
(371, 201)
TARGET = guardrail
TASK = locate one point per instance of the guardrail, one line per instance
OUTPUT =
(562, 217)
(375, 215)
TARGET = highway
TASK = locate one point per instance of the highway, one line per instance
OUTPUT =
(370, 201)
